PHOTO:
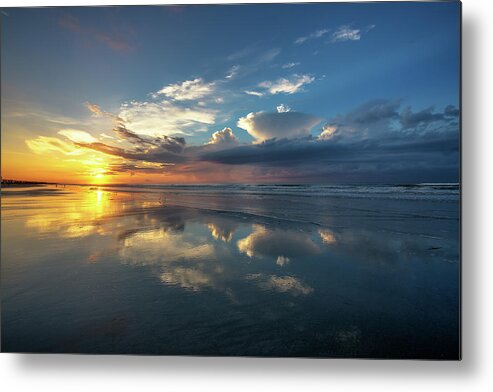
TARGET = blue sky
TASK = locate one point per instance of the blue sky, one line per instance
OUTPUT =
(187, 72)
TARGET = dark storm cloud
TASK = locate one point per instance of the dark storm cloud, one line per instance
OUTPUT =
(372, 112)
(168, 143)
(133, 168)
(374, 142)
(156, 154)
(426, 117)
(292, 152)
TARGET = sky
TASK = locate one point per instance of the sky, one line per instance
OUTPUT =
(271, 93)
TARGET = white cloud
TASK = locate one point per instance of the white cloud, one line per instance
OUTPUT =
(104, 135)
(283, 108)
(77, 136)
(346, 33)
(46, 144)
(328, 132)
(256, 93)
(263, 125)
(233, 71)
(287, 86)
(314, 35)
(290, 65)
(188, 90)
(223, 137)
(158, 119)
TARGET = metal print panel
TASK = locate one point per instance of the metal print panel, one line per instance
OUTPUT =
(275, 180)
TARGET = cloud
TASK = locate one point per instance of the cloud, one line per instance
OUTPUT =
(118, 39)
(283, 108)
(346, 33)
(46, 145)
(316, 34)
(287, 86)
(289, 65)
(368, 120)
(373, 142)
(164, 153)
(328, 132)
(233, 71)
(401, 157)
(256, 93)
(287, 124)
(188, 90)
(427, 117)
(97, 111)
(165, 118)
(77, 136)
(223, 137)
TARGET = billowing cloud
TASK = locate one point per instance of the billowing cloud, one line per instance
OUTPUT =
(316, 34)
(287, 86)
(188, 90)
(223, 137)
(165, 118)
(287, 124)
(283, 108)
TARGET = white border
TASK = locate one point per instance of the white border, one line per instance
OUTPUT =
(131, 373)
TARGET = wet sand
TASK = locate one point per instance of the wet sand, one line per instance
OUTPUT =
(111, 270)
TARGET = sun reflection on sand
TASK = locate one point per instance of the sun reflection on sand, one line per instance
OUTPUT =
(84, 215)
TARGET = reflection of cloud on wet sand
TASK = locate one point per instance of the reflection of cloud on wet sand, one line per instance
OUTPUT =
(187, 278)
(327, 236)
(281, 284)
(281, 245)
(282, 261)
(222, 232)
(159, 246)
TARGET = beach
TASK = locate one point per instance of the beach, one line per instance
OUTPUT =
(251, 270)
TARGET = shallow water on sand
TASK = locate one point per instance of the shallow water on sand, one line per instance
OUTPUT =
(112, 270)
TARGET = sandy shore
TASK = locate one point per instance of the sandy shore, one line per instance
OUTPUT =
(113, 271)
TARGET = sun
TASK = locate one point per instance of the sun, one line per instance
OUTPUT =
(98, 176)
